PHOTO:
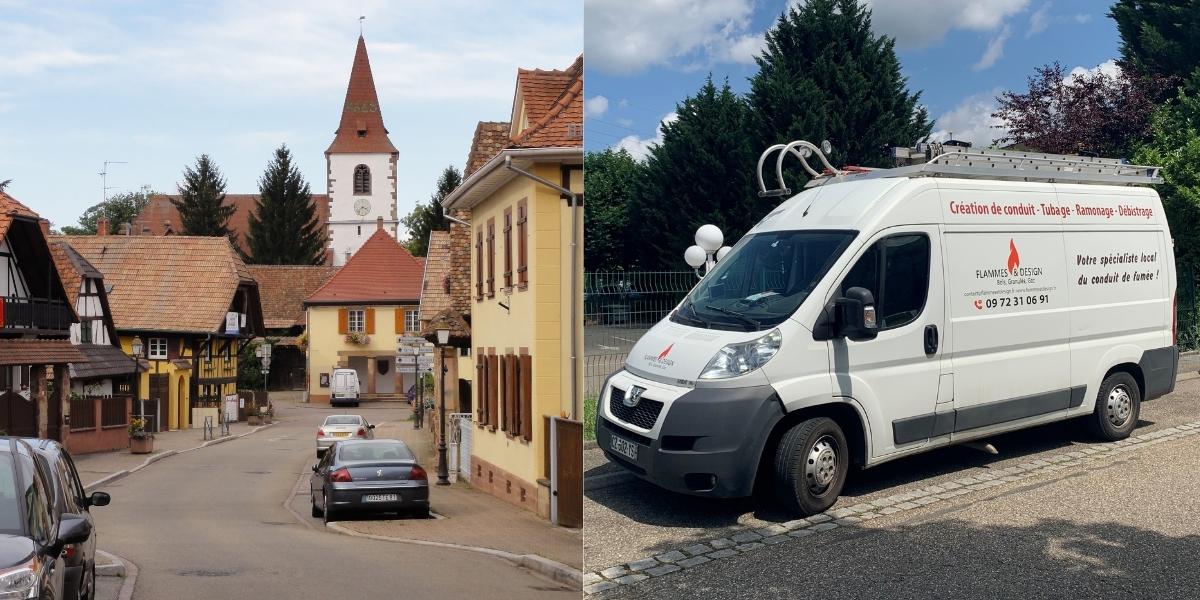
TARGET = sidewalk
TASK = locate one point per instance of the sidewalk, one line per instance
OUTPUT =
(99, 465)
(471, 517)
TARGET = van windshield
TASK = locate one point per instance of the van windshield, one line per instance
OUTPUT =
(763, 280)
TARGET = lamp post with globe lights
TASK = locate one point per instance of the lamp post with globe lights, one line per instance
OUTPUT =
(443, 474)
(709, 249)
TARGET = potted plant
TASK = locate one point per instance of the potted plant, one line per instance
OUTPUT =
(267, 414)
(141, 441)
(252, 417)
(358, 338)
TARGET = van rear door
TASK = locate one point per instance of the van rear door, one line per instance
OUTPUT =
(895, 377)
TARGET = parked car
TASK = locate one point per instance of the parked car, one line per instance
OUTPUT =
(35, 532)
(881, 315)
(70, 498)
(344, 388)
(342, 427)
(369, 476)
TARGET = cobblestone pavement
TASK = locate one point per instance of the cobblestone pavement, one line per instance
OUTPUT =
(637, 533)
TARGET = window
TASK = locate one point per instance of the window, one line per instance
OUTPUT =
(362, 180)
(157, 348)
(412, 320)
(85, 332)
(491, 257)
(522, 261)
(478, 264)
(508, 279)
(357, 320)
(896, 271)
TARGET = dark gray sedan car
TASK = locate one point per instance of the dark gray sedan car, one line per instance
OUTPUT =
(369, 476)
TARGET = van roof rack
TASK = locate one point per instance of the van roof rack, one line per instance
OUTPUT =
(943, 160)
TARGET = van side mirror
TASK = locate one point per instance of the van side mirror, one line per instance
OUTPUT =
(855, 317)
(72, 529)
(99, 499)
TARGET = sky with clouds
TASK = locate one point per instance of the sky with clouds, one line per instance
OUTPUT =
(157, 83)
(644, 56)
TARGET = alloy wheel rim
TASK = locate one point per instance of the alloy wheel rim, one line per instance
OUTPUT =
(820, 466)
(1120, 406)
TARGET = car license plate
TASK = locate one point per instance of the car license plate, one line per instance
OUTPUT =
(623, 447)
(381, 497)
(341, 434)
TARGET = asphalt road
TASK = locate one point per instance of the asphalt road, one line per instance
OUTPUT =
(1122, 531)
(212, 524)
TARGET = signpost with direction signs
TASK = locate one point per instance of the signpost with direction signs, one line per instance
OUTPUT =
(415, 355)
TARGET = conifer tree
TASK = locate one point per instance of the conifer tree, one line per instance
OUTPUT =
(201, 203)
(284, 229)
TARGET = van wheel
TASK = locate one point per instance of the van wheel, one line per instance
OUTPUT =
(1118, 405)
(811, 463)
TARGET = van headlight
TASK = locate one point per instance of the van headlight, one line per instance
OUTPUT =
(739, 359)
(20, 581)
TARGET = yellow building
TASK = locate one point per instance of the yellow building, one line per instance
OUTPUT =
(354, 319)
(191, 304)
(525, 228)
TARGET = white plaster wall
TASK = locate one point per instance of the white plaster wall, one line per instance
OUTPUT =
(348, 230)
(98, 387)
(89, 306)
(7, 288)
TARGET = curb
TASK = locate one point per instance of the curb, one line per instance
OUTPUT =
(122, 567)
(113, 568)
(157, 457)
(543, 566)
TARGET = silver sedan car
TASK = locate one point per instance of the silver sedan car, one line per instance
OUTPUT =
(337, 428)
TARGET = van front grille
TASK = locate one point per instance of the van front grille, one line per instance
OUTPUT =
(643, 415)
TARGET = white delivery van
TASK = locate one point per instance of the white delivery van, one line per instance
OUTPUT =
(344, 387)
(884, 313)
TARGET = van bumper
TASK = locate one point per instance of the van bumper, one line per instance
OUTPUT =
(709, 443)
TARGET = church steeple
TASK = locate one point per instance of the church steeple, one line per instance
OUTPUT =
(361, 128)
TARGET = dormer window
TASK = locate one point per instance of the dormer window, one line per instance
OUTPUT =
(362, 179)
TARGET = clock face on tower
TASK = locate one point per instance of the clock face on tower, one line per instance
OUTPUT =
(362, 206)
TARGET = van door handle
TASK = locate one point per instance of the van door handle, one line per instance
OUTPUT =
(931, 340)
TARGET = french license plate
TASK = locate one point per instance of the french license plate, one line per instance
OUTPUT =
(623, 447)
(341, 434)
(381, 497)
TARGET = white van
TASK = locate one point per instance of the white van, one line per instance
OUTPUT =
(344, 387)
(884, 313)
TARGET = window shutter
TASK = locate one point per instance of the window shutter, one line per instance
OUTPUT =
(370, 318)
(491, 257)
(522, 260)
(481, 386)
(401, 322)
(343, 321)
(493, 370)
(526, 400)
(479, 264)
(508, 249)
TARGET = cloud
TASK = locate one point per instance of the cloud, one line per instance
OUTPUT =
(918, 24)
(1108, 67)
(995, 49)
(629, 36)
(640, 147)
(1038, 21)
(595, 106)
(971, 120)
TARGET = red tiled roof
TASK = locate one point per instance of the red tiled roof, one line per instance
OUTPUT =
(553, 107)
(160, 215)
(283, 289)
(382, 271)
(166, 283)
(490, 138)
(9, 208)
(23, 351)
(361, 112)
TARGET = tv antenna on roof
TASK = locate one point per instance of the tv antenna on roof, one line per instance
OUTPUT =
(104, 187)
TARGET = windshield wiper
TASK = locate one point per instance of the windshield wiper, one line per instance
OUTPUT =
(734, 313)
(696, 316)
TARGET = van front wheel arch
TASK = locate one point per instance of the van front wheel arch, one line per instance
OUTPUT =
(811, 462)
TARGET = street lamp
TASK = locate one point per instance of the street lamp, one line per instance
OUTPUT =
(708, 249)
(136, 347)
(443, 337)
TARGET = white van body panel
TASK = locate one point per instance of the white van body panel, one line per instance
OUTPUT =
(1036, 291)
(344, 384)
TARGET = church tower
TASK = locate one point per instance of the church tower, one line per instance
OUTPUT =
(361, 166)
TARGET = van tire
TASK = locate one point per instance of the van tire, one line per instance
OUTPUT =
(811, 463)
(1118, 405)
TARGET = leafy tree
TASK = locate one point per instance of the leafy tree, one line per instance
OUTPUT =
(1175, 146)
(825, 76)
(120, 209)
(1083, 113)
(284, 229)
(611, 177)
(428, 217)
(1158, 39)
(4, 184)
(201, 204)
(702, 172)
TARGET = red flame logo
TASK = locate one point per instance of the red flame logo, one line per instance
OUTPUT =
(1014, 259)
(666, 352)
